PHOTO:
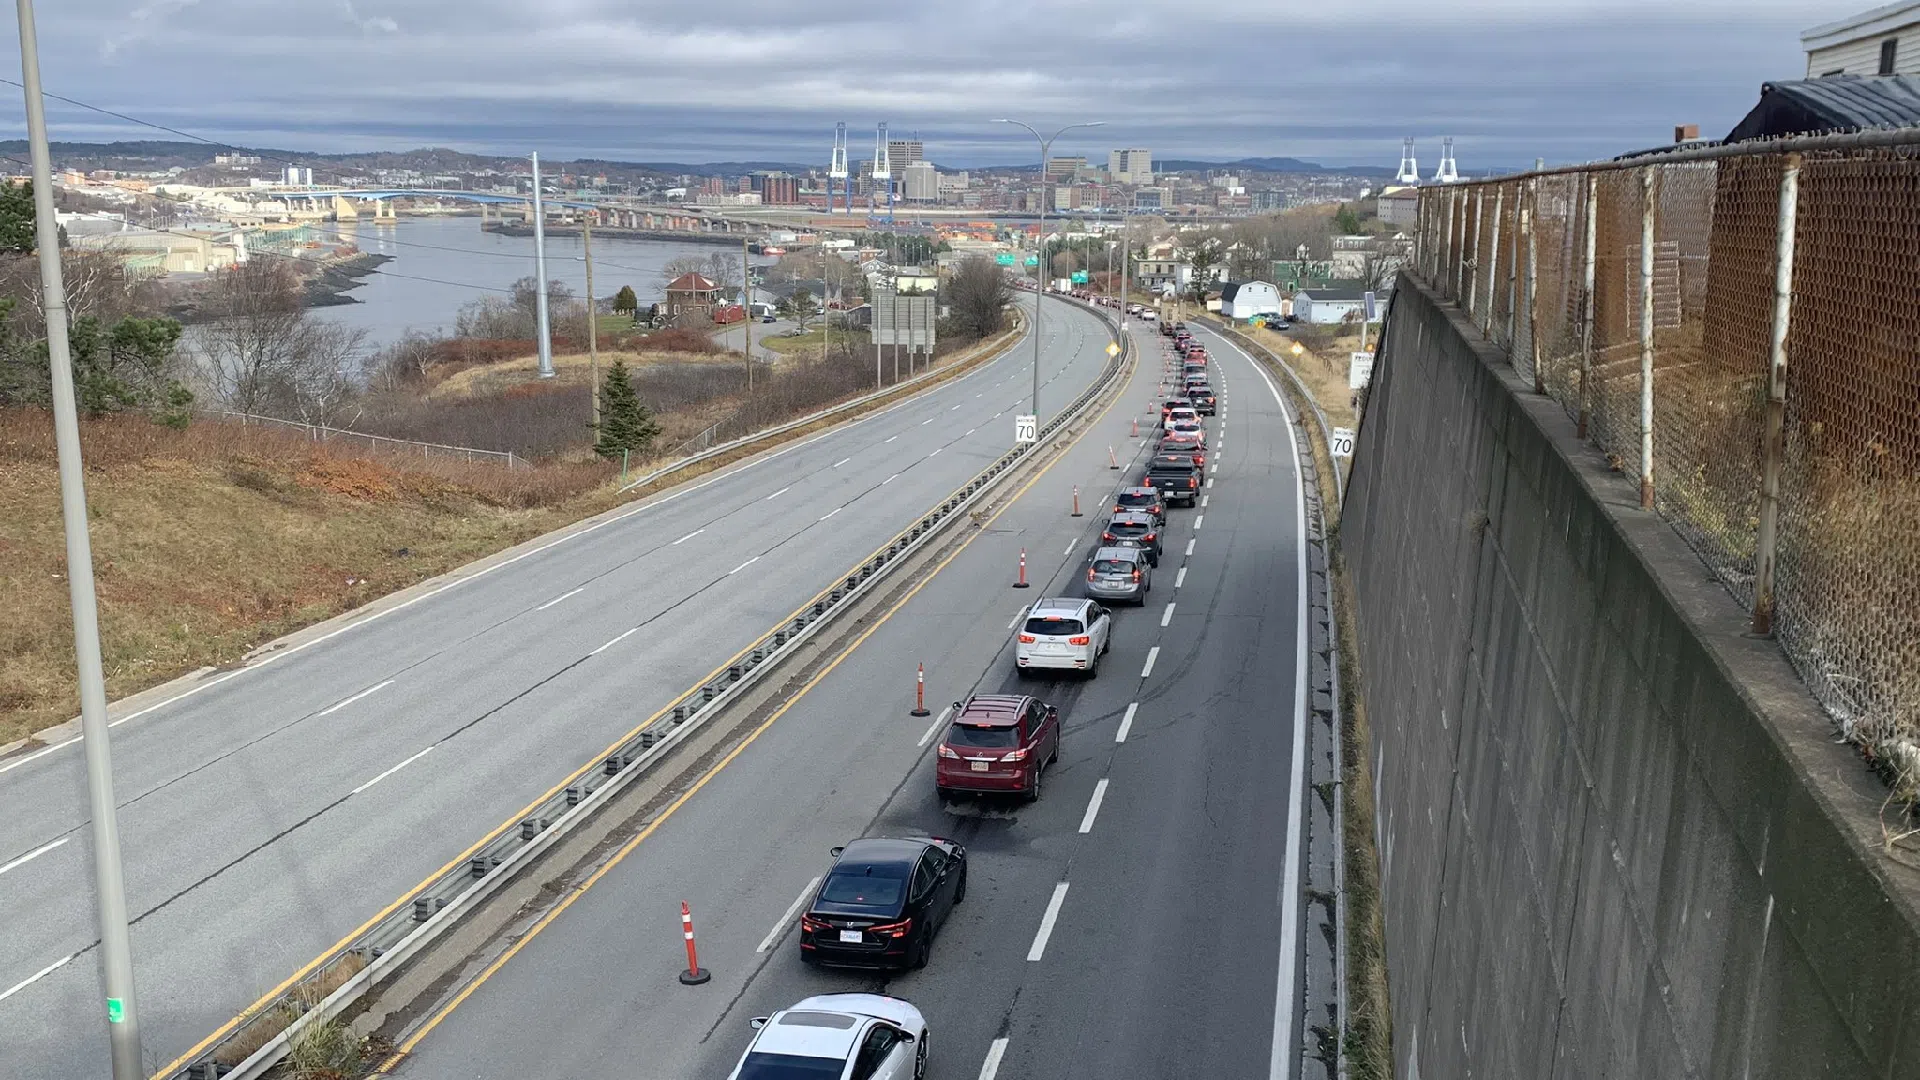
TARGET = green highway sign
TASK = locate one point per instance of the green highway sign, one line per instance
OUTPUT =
(1033, 260)
(1005, 258)
(1079, 277)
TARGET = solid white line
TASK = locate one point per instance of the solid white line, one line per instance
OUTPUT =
(1167, 615)
(561, 597)
(614, 642)
(1286, 1018)
(1199, 521)
(890, 438)
(793, 909)
(390, 772)
(1152, 655)
(831, 512)
(687, 537)
(991, 1067)
(938, 722)
(1093, 806)
(841, 462)
(936, 451)
(1017, 616)
(1180, 578)
(36, 976)
(329, 711)
(1190, 544)
(781, 492)
(889, 479)
(1046, 923)
(34, 854)
(1126, 723)
(744, 565)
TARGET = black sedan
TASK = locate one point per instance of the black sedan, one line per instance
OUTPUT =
(883, 901)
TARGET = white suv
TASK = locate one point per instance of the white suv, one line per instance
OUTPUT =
(868, 1036)
(1063, 634)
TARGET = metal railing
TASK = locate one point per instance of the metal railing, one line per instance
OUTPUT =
(331, 984)
(326, 433)
(1738, 328)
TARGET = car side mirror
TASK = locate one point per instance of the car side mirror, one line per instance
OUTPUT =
(957, 710)
(1053, 712)
(758, 1022)
(906, 1036)
(835, 852)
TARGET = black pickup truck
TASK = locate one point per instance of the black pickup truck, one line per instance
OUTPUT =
(1175, 477)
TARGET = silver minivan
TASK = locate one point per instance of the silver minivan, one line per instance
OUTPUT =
(1120, 573)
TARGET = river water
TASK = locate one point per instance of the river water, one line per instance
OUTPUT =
(438, 264)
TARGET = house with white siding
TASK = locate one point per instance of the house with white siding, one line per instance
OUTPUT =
(1245, 299)
(1328, 305)
(1883, 41)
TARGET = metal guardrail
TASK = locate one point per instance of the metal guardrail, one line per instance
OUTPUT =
(420, 917)
(324, 433)
(791, 425)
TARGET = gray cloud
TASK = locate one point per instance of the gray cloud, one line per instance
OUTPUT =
(1509, 79)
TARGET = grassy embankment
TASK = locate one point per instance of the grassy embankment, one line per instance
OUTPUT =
(212, 541)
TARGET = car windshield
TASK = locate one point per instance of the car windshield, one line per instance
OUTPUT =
(761, 1066)
(1054, 626)
(1112, 566)
(866, 886)
(983, 736)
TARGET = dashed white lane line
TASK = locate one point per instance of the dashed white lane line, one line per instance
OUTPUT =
(841, 462)
(938, 722)
(391, 771)
(1069, 550)
(744, 565)
(981, 394)
(889, 479)
(1209, 482)
(37, 976)
(1166, 617)
(936, 451)
(1046, 923)
(890, 438)
(831, 512)
(779, 493)
(1190, 544)
(928, 420)
(687, 537)
(1199, 521)
(1203, 501)
(331, 709)
(1180, 578)
(1093, 806)
(561, 597)
(614, 642)
(1126, 723)
(991, 1066)
(956, 408)
(34, 854)
(1152, 655)
(786, 919)
(970, 431)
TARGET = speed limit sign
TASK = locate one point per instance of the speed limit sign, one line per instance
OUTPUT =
(1026, 429)
(1342, 442)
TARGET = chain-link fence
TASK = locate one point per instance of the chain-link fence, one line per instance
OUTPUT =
(1761, 383)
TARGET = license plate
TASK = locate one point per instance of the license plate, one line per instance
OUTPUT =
(982, 766)
(852, 937)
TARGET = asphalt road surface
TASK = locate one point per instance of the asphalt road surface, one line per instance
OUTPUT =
(266, 816)
(1135, 922)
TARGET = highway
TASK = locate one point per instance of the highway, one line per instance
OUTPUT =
(1140, 920)
(272, 811)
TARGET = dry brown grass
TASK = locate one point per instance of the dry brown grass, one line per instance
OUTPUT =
(1369, 1039)
(264, 1028)
(1323, 367)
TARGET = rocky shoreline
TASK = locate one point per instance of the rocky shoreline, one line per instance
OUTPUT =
(331, 286)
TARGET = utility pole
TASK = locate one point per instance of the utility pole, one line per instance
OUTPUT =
(1039, 267)
(545, 341)
(593, 315)
(746, 306)
(109, 883)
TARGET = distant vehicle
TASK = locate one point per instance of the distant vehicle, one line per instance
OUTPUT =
(1166, 329)
(1140, 500)
(1120, 573)
(882, 903)
(1170, 405)
(1063, 634)
(998, 743)
(728, 313)
(1187, 427)
(1187, 445)
(1128, 528)
(1203, 399)
(1182, 411)
(837, 1035)
(1148, 316)
(1176, 477)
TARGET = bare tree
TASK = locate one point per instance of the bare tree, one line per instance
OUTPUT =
(318, 387)
(262, 352)
(723, 269)
(977, 297)
(681, 265)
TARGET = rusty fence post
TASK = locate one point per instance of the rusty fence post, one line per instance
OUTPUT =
(1513, 271)
(1469, 282)
(1648, 197)
(1493, 259)
(1590, 200)
(1531, 225)
(1773, 447)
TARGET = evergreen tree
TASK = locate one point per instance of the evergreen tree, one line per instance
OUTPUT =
(625, 424)
(625, 302)
(16, 218)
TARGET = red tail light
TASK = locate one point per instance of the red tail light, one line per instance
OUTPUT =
(808, 922)
(1026, 639)
(1148, 538)
(947, 752)
(1136, 575)
(1014, 755)
(1089, 573)
(893, 929)
(1079, 639)
(1193, 481)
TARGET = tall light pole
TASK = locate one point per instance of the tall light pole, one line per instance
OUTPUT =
(545, 342)
(1039, 271)
(109, 884)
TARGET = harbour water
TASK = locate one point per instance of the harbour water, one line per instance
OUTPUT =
(438, 264)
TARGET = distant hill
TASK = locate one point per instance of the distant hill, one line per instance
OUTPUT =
(1258, 164)
(157, 153)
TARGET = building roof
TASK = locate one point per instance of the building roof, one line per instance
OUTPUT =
(1333, 295)
(1833, 103)
(1866, 24)
(691, 283)
(1232, 288)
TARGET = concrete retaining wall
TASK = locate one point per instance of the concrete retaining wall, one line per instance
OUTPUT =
(1617, 837)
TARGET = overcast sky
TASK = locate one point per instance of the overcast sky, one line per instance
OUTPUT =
(638, 80)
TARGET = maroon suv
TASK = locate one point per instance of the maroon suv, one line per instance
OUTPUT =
(998, 743)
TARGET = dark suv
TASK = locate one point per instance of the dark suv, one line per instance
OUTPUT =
(1176, 477)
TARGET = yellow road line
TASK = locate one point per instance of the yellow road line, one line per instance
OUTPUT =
(406, 1047)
